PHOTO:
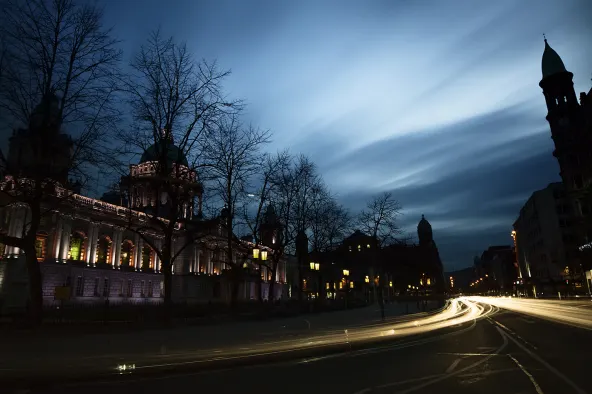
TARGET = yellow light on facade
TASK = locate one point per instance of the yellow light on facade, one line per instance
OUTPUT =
(255, 253)
(264, 255)
(408, 286)
(368, 246)
(312, 265)
(390, 283)
(367, 279)
(341, 285)
(317, 266)
(351, 285)
(328, 286)
(359, 248)
(487, 276)
(421, 282)
(429, 281)
(345, 272)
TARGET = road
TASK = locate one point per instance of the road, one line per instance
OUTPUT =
(475, 345)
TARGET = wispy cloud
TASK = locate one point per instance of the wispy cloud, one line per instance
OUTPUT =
(437, 101)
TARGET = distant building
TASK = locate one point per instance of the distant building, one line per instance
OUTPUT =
(546, 239)
(495, 269)
(459, 281)
(571, 129)
(360, 269)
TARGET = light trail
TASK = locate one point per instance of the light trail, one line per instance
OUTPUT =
(457, 312)
(575, 313)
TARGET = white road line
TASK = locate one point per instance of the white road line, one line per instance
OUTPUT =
(534, 383)
(453, 365)
(544, 363)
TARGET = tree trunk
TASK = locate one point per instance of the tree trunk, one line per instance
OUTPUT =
(167, 271)
(35, 307)
(271, 296)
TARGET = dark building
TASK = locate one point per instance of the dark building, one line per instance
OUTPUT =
(360, 269)
(571, 129)
(495, 269)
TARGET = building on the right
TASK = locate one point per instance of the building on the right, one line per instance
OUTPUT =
(571, 130)
(545, 243)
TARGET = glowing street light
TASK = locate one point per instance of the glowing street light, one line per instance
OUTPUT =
(255, 253)
(367, 279)
(345, 272)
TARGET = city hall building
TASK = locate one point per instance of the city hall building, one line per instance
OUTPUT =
(87, 247)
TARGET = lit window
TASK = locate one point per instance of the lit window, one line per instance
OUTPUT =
(40, 247)
(429, 282)
(328, 286)
(341, 285)
(368, 246)
(359, 248)
(351, 285)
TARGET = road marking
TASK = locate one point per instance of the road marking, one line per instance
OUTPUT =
(458, 372)
(453, 365)
(544, 363)
(466, 354)
(534, 383)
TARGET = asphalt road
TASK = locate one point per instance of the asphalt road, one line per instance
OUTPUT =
(502, 352)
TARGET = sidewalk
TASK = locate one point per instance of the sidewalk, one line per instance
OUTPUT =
(41, 355)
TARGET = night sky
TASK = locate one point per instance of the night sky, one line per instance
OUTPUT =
(437, 101)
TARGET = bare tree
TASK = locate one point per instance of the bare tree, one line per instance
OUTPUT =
(380, 219)
(255, 218)
(329, 220)
(176, 101)
(232, 157)
(59, 69)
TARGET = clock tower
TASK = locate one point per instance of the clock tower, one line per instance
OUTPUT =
(571, 132)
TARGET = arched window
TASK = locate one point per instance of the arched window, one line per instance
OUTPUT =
(76, 247)
(104, 250)
(127, 252)
(147, 257)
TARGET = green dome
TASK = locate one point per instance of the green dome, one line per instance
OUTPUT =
(552, 63)
(174, 154)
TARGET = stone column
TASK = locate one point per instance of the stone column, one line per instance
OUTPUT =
(139, 246)
(57, 239)
(92, 243)
(116, 247)
(158, 244)
(65, 243)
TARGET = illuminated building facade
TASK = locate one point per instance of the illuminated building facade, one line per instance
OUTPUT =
(87, 245)
(545, 238)
(570, 122)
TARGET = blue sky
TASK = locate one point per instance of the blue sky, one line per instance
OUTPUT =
(437, 101)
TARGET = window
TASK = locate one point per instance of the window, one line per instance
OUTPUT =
(150, 288)
(130, 288)
(104, 251)
(127, 253)
(96, 289)
(79, 286)
(76, 248)
(147, 260)
(106, 287)
(40, 247)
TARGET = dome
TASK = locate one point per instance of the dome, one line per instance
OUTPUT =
(552, 63)
(174, 154)
(424, 231)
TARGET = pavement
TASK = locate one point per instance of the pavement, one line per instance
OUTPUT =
(473, 347)
(54, 356)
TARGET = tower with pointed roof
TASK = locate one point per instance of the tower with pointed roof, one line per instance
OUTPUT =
(571, 131)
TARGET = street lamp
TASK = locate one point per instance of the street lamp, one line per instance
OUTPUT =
(264, 255)
(367, 279)
(255, 253)
(345, 272)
